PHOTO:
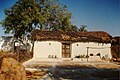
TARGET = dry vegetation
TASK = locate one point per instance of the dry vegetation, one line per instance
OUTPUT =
(21, 55)
(115, 51)
(35, 74)
(99, 36)
(64, 70)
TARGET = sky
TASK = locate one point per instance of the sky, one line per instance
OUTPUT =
(98, 15)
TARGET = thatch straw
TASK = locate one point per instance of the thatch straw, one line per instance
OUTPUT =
(95, 36)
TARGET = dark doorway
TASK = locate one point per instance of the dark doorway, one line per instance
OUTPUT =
(66, 50)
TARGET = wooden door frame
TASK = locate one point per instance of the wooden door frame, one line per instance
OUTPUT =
(66, 55)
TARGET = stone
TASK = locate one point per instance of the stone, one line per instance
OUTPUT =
(12, 70)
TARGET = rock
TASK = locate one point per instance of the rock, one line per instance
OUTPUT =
(12, 70)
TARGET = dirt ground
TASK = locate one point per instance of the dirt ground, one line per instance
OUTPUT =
(68, 70)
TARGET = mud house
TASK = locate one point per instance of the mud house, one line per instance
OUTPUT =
(62, 45)
(5, 43)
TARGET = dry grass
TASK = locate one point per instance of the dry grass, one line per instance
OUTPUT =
(99, 36)
(20, 56)
(35, 74)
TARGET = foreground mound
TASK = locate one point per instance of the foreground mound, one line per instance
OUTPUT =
(12, 70)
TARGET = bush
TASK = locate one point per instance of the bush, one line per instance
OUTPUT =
(19, 55)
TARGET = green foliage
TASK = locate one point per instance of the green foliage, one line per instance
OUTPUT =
(26, 15)
(83, 28)
(75, 28)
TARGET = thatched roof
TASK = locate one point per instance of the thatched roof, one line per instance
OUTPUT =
(95, 36)
(116, 41)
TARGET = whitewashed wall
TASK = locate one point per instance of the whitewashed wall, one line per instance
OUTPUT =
(79, 48)
(1, 44)
(42, 49)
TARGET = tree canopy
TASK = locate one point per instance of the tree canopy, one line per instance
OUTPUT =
(80, 29)
(83, 28)
(26, 15)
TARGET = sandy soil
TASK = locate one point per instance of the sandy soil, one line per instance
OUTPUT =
(68, 70)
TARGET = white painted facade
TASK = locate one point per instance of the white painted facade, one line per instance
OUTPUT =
(80, 48)
(1, 44)
(48, 49)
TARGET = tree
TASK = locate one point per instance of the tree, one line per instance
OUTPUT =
(83, 28)
(26, 15)
(20, 17)
(74, 28)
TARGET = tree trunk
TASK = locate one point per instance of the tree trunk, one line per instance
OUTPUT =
(32, 46)
(13, 45)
